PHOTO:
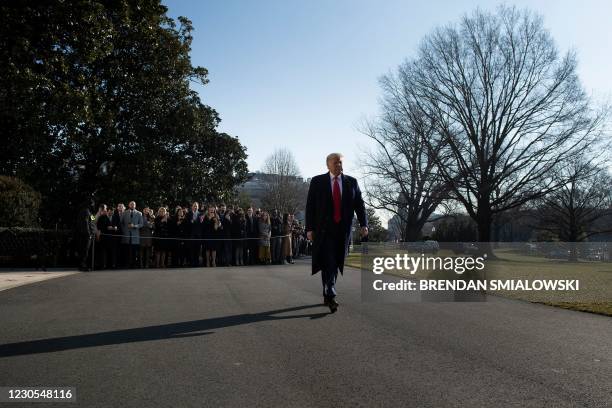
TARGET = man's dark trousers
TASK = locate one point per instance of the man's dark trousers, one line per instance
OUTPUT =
(85, 245)
(132, 253)
(332, 248)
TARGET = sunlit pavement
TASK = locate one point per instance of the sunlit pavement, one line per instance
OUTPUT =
(259, 336)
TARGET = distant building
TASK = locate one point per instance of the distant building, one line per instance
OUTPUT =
(395, 228)
(255, 188)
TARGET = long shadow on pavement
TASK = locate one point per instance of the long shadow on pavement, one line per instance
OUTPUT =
(165, 331)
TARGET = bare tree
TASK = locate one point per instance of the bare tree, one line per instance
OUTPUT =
(284, 188)
(402, 172)
(508, 107)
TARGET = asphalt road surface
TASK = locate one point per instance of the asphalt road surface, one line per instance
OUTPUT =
(259, 336)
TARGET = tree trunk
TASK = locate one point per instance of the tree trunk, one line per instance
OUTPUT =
(484, 220)
(414, 227)
(412, 232)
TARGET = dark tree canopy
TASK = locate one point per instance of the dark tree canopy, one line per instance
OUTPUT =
(571, 212)
(456, 228)
(95, 99)
(376, 231)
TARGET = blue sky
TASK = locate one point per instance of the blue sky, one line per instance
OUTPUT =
(303, 74)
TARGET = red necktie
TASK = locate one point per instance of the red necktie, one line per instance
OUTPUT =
(337, 201)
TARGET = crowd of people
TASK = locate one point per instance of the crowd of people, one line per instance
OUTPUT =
(209, 236)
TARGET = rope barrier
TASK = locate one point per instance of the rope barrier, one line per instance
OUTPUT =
(175, 239)
(193, 239)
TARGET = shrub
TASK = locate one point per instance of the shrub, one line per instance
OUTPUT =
(19, 203)
(27, 247)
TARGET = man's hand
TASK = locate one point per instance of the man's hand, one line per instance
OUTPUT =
(309, 235)
(364, 232)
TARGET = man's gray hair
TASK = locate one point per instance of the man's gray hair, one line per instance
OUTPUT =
(333, 156)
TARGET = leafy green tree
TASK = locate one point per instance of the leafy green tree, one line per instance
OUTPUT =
(376, 232)
(95, 99)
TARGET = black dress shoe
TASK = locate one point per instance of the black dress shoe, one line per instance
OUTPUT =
(333, 305)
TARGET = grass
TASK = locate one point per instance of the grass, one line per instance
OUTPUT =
(594, 296)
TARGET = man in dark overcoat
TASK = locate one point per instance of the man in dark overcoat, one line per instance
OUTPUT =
(333, 198)
(85, 233)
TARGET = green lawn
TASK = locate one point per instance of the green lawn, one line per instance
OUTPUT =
(595, 294)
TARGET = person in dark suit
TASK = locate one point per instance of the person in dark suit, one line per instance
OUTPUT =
(276, 240)
(238, 235)
(226, 234)
(117, 256)
(252, 234)
(193, 230)
(177, 231)
(104, 226)
(211, 228)
(85, 233)
(332, 200)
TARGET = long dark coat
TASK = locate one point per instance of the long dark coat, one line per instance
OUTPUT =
(320, 212)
